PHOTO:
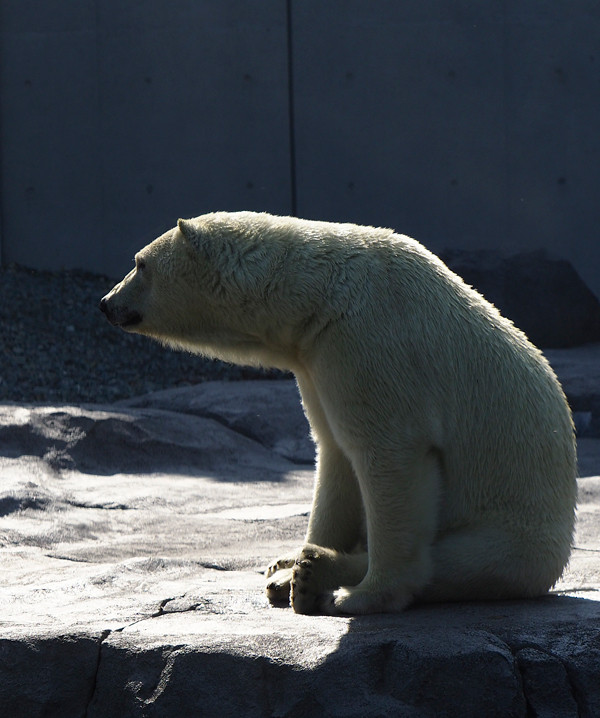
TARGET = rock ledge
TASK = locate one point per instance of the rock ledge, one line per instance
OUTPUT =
(132, 540)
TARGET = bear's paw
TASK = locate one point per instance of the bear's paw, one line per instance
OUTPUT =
(311, 577)
(278, 589)
(317, 572)
(361, 599)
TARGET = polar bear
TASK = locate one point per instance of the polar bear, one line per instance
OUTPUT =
(446, 462)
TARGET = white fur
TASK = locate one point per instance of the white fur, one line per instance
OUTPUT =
(446, 457)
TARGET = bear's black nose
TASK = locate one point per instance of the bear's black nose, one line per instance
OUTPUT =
(103, 303)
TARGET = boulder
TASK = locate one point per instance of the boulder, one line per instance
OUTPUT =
(579, 373)
(542, 294)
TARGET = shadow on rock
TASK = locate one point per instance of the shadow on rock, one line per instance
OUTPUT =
(148, 441)
(496, 659)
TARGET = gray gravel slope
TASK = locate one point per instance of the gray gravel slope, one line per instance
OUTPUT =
(56, 346)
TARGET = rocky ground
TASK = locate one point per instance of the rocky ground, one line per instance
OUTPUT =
(133, 537)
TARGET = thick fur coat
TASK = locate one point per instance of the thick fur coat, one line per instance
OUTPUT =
(446, 458)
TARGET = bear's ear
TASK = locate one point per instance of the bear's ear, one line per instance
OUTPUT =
(187, 228)
(191, 233)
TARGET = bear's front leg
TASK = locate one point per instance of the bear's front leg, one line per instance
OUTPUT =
(336, 518)
(401, 501)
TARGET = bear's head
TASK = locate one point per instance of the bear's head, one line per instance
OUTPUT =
(140, 302)
(214, 285)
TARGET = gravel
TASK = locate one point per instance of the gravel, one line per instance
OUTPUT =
(57, 347)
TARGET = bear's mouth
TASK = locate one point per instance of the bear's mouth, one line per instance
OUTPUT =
(119, 317)
(130, 321)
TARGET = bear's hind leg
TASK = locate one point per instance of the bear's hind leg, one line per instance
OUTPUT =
(491, 563)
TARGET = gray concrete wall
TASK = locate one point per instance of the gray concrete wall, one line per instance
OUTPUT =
(118, 116)
(465, 124)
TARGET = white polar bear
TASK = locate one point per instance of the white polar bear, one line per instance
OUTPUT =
(446, 456)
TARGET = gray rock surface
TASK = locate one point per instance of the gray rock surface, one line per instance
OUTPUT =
(132, 541)
(542, 294)
(581, 382)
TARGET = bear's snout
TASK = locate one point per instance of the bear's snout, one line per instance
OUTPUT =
(118, 315)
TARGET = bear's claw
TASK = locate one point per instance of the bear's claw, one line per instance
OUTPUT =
(280, 564)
